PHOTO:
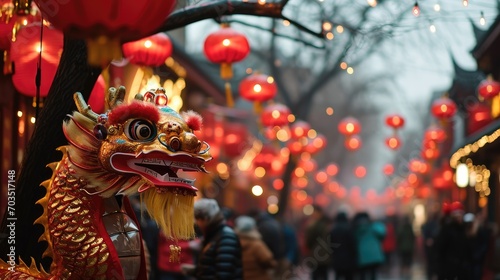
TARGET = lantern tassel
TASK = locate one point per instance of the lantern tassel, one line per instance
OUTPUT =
(102, 50)
(229, 95)
(226, 71)
(7, 63)
(257, 107)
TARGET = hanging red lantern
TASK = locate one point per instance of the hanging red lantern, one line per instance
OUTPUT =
(150, 51)
(349, 126)
(393, 142)
(430, 154)
(434, 133)
(395, 121)
(299, 129)
(443, 108)
(316, 144)
(265, 157)
(235, 139)
(443, 178)
(106, 24)
(7, 21)
(353, 143)
(25, 53)
(258, 88)
(479, 117)
(295, 146)
(275, 115)
(360, 171)
(488, 88)
(388, 169)
(96, 99)
(226, 46)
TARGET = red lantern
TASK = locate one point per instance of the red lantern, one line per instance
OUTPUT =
(96, 99)
(316, 144)
(299, 129)
(265, 158)
(226, 46)
(235, 139)
(360, 171)
(295, 146)
(353, 143)
(25, 55)
(443, 108)
(106, 24)
(332, 169)
(488, 89)
(258, 88)
(434, 133)
(479, 117)
(388, 169)
(395, 121)
(349, 126)
(150, 51)
(430, 153)
(443, 178)
(275, 115)
(393, 142)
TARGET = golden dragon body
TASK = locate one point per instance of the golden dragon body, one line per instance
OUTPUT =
(137, 147)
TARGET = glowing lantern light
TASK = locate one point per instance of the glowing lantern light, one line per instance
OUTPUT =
(234, 139)
(332, 169)
(434, 133)
(257, 190)
(443, 108)
(415, 10)
(430, 154)
(299, 129)
(353, 143)
(275, 115)
(316, 144)
(296, 147)
(150, 51)
(25, 52)
(388, 169)
(479, 117)
(226, 46)
(443, 178)
(349, 126)
(258, 88)
(105, 25)
(321, 177)
(488, 88)
(393, 142)
(360, 171)
(395, 121)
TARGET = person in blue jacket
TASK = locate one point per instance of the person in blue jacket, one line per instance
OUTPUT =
(369, 236)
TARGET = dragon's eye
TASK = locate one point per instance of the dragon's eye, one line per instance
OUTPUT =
(140, 130)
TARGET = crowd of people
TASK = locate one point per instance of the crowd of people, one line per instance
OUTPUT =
(456, 245)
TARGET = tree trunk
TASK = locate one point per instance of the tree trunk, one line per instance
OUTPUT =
(72, 75)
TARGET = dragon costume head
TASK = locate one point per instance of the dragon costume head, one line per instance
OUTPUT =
(139, 147)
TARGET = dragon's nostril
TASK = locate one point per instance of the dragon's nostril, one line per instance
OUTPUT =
(175, 143)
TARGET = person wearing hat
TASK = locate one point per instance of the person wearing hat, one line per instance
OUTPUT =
(220, 256)
(256, 256)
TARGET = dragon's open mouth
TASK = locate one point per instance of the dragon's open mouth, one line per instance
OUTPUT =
(158, 167)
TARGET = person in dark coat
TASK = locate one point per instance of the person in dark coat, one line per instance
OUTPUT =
(316, 235)
(220, 256)
(453, 252)
(344, 258)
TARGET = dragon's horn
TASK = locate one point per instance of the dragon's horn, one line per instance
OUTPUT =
(83, 108)
(115, 96)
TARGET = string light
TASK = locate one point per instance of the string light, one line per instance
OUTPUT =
(465, 3)
(437, 7)
(482, 21)
(372, 3)
(432, 28)
(416, 10)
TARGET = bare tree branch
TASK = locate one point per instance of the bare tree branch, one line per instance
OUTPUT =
(186, 16)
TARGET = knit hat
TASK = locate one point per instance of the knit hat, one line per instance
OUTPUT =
(206, 208)
(244, 224)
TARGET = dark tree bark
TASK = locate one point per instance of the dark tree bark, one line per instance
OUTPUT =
(72, 75)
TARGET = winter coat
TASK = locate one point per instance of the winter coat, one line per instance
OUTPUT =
(256, 256)
(369, 238)
(345, 250)
(317, 235)
(220, 256)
